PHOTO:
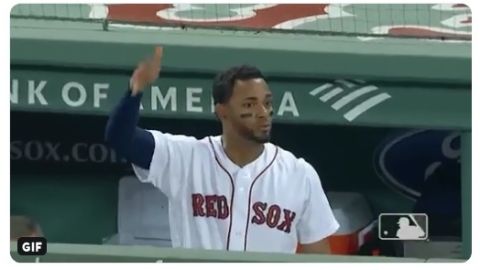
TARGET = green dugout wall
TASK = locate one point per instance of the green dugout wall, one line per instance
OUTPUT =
(430, 79)
(344, 96)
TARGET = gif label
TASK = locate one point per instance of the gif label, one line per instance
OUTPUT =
(32, 246)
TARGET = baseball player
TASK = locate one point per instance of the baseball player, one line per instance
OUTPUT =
(234, 191)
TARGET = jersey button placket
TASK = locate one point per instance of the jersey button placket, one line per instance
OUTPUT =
(240, 212)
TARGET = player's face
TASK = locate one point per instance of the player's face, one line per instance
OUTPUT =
(250, 110)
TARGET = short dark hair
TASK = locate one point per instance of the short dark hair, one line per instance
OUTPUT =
(224, 81)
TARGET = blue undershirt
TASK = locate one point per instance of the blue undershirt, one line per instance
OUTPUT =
(123, 135)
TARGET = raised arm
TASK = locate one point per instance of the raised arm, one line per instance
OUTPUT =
(121, 132)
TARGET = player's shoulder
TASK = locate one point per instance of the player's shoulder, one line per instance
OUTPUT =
(181, 139)
(291, 161)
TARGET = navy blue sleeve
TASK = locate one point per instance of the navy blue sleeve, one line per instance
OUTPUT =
(122, 134)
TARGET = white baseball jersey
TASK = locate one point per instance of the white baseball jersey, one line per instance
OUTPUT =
(269, 205)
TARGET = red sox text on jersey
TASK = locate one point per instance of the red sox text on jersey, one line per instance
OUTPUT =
(217, 207)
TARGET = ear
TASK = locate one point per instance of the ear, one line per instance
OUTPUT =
(221, 111)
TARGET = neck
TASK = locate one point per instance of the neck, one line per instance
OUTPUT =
(240, 150)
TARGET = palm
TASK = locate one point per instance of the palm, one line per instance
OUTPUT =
(147, 71)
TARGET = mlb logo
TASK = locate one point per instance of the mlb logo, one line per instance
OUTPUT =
(403, 226)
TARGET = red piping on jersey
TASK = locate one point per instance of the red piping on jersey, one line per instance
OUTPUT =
(233, 191)
(250, 197)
